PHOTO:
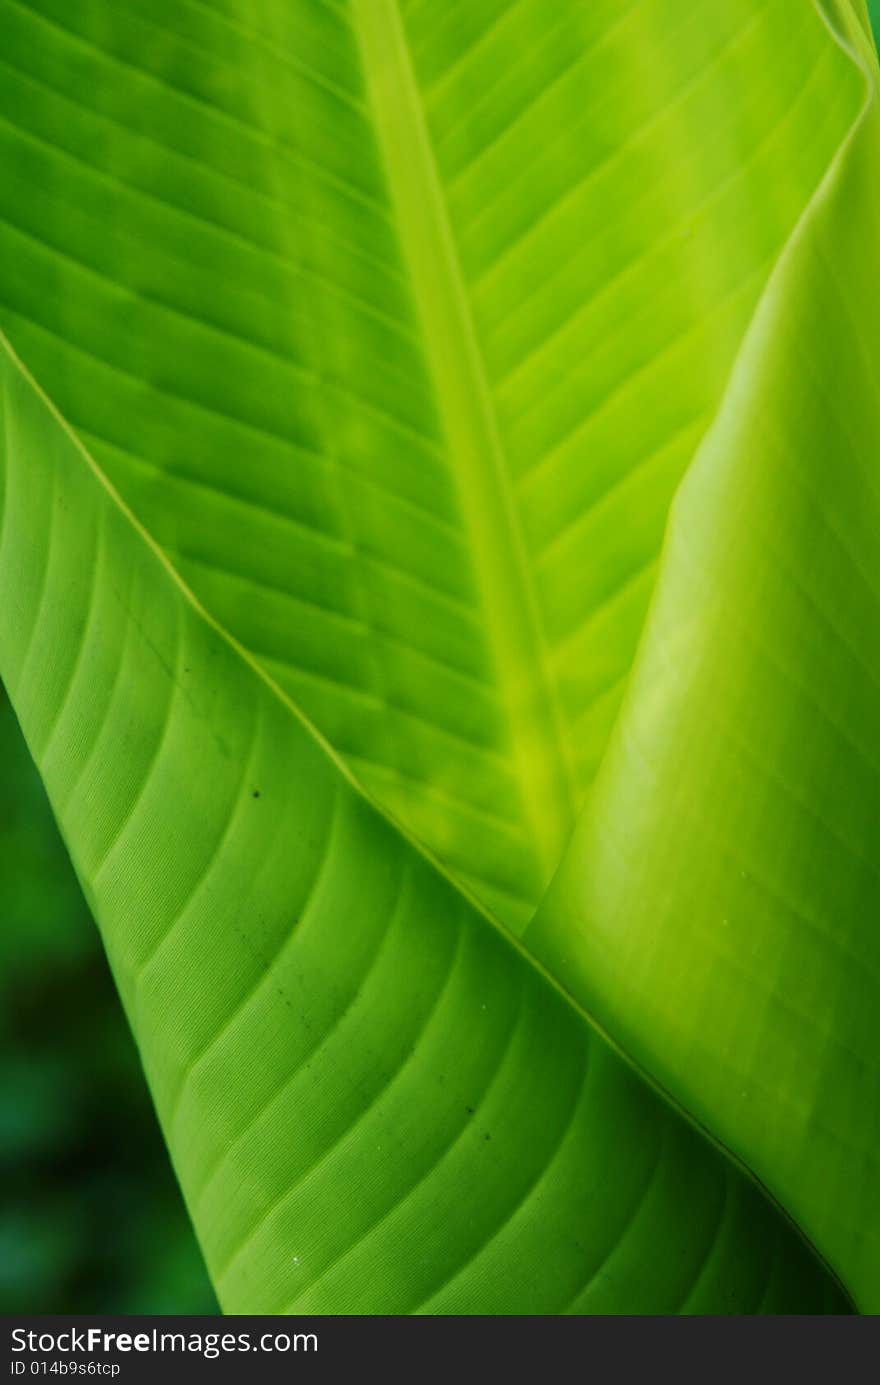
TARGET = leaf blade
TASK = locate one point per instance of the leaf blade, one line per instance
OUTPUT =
(603, 196)
(316, 1027)
(716, 910)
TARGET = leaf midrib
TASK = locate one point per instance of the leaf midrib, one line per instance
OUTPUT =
(475, 448)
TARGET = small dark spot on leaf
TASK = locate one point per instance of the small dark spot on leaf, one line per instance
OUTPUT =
(487, 1136)
(470, 1110)
(256, 793)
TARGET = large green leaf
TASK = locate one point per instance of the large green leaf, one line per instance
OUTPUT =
(397, 325)
(375, 1101)
(718, 908)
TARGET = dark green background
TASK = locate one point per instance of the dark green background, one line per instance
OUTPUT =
(91, 1219)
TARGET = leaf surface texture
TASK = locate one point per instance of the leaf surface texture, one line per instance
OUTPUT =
(384, 334)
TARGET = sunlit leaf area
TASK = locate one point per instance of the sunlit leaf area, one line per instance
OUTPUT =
(440, 656)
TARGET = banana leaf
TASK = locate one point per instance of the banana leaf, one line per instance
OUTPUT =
(439, 569)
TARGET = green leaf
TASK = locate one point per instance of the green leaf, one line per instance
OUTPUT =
(718, 907)
(375, 1101)
(397, 325)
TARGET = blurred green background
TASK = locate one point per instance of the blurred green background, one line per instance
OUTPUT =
(91, 1219)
